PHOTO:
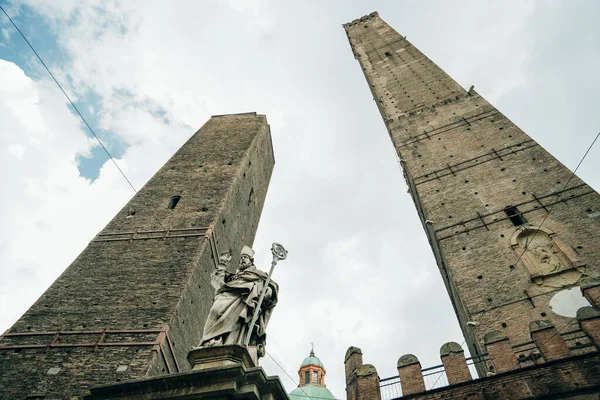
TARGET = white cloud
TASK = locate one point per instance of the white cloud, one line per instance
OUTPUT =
(360, 271)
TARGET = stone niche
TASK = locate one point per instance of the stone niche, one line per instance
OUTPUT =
(550, 262)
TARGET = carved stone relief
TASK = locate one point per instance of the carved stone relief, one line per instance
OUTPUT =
(550, 263)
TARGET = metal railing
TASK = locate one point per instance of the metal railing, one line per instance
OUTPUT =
(390, 388)
(433, 377)
(526, 353)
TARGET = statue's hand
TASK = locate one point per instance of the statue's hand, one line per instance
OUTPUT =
(224, 258)
(268, 293)
(260, 350)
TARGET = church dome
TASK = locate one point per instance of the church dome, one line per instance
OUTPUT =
(312, 380)
(312, 360)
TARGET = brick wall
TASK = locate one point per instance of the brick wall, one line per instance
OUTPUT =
(464, 163)
(572, 378)
(133, 308)
(362, 380)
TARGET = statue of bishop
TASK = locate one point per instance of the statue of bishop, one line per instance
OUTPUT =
(235, 303)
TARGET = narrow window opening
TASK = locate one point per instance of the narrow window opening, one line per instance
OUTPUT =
(251, 196)
(174, 201)
(515, 216)
(315, 377)
(306, 377)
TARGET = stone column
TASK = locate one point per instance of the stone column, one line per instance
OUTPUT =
(455, 364)
(411, 377)
(500, 351)
(548, 340)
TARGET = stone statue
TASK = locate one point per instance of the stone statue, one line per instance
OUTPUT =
(235, 304)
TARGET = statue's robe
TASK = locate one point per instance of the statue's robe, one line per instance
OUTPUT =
(233, 308)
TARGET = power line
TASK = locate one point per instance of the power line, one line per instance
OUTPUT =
(570, 321)
(76, 109)
(527, 246)
(545, 217)
(69, 99)
(292, 379)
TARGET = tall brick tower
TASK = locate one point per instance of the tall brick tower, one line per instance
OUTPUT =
(485, 192)
(135, 300)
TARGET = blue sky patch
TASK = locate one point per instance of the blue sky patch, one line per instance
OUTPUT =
(46, 42)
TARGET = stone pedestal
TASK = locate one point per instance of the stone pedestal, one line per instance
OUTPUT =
(218, 373)
(202, 358)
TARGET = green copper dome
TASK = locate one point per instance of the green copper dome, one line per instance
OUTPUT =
(310, 392)
(312, 360)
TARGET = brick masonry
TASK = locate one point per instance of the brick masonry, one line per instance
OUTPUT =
(135, 300)
(572, 378)
(411, 377)
(455, 365)
(362, 380)
(464, 163)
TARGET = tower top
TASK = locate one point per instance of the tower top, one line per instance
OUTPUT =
(363, 18)
(312, 379)
(312, 360)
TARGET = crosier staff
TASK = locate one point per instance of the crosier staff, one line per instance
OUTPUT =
(279, 253)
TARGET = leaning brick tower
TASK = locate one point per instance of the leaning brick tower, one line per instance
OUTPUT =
(135, 300)
(485, 192)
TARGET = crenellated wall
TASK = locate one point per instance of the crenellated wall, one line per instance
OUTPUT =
(554, 363)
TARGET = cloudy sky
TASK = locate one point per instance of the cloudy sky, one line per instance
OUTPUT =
(147, 75)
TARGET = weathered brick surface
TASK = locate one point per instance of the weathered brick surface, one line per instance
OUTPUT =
(592, 328)
(411, 379)
(456, 368)
(592, 294)
(352, 362)
(501, 353)
(568, 378)
(362, 380)
(367, 384)
(158, 288)
(464, 163)
(549, 342)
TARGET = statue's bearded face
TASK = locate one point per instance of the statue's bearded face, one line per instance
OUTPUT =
(245, 261)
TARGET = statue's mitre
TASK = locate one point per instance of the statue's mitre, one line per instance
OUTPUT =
(248, 251)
